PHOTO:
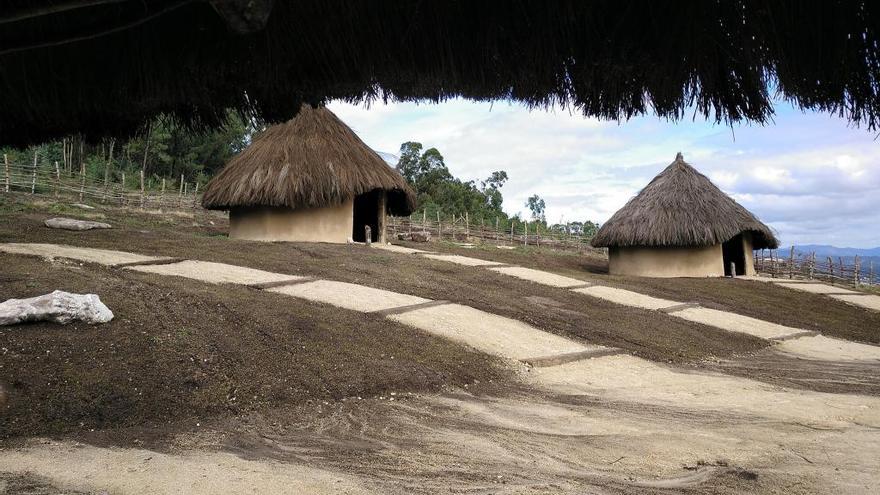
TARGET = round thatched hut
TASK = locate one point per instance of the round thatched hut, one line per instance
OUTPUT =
(309, 179)
(682, 225)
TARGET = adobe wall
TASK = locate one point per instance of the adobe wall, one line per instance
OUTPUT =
(667, 262)
(327, 224)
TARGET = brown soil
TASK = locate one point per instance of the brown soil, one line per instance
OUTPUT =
(765, 301)
(180, 349)
(560, 311)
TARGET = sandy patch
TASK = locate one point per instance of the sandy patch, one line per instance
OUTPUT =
(762, 278)
(539, 276)
(626, 297)
(489, 333)
(864, 300)
(736, 323)
(461, 260)
(136, 471)
(349, 296)
(827, 349)
(399, 249)
(816, 288)
(215, 273)
(638, 380)
(87, 255)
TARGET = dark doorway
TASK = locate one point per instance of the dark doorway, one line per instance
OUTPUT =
(366, 212)
(733, 252)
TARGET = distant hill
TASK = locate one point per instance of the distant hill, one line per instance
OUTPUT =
(825, 250)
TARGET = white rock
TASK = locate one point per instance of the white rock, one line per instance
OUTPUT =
(73, 224)
(84, 207)
(59, 307)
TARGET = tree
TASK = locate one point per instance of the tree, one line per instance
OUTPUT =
(492, 189)
(537, 206)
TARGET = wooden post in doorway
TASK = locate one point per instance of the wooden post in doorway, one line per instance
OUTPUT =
(380, 236)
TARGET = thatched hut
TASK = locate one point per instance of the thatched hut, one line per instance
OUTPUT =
(682, 225)
(309, 179)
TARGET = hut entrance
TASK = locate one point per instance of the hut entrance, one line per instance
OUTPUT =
(368, 210)
(734, 252)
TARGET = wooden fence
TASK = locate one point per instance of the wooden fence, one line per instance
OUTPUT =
(461, 228)
(812, 267)
(48, 179)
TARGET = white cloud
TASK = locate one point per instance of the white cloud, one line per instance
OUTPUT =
(810, 176)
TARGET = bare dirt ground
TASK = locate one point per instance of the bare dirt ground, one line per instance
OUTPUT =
(759, 300)
(203, 388)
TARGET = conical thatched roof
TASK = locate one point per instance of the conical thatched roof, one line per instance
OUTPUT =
(681, 207)
(310, 161)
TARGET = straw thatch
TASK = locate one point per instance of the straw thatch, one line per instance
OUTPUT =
(607, 58)
(683, 208)
(311, 161)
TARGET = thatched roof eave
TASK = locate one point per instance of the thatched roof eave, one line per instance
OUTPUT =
(104, 68)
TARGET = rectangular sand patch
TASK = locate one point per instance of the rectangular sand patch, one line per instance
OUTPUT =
(816, 288)
(489, 333)
(736, 323)
(461, 260)
(215, 273)
(398, 249)
(88, 255)
(349, 296)
(827, 349)
(626, 297)
(864, 300)
(539, 276)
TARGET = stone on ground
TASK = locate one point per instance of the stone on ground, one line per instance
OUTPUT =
(827, 349)
(82, 206)
(87, 255)
(74, 224)
(489, 333)
(58, 307)
(216, 273)
(816, 288)
(398, 249)
(461, 260)
(539, 276)
(733, 322)
(626, 297)
(349, 296)
(868, 301)
(422, 236)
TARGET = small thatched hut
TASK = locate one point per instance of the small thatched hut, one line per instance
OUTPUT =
(682, 225)
(309, 179)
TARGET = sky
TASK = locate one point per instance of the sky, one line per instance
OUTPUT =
(810, 176)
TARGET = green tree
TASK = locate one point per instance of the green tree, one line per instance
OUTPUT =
(537, 206)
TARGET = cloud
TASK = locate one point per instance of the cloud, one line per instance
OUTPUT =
(809, 176)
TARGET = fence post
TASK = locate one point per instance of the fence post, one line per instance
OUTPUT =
(526, 234)
(856, 269)
(196, 197)
(831, 269)
(439, 230)
(496, 228)
(142, 188)
(57, 178)
(467, 224)
(791, 263)
(34, 174)
(871, 273)
(122, 194)
(6, 164)
(82, 183)
(812, 264)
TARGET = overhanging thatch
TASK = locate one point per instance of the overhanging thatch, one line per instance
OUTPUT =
(608, 58)
(681, 207)
(311, 161)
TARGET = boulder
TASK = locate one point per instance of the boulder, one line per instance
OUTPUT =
(73, 224)
(59, 307)
(404, 236)
(423, 236)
